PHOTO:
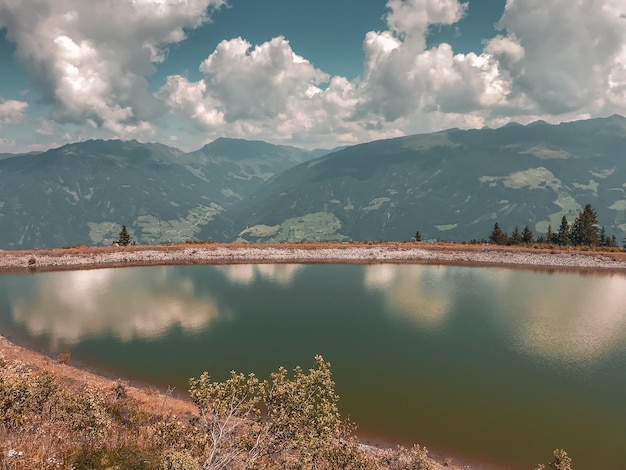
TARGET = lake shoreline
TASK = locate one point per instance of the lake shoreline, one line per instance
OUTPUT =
(81, 376)
(86, 257)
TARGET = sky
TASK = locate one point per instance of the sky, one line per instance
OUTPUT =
(314, 74)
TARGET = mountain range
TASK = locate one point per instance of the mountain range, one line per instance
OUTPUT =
(451, 185)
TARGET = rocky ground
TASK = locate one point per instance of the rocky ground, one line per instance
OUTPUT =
(84, 257)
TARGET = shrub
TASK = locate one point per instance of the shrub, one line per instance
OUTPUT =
(63, 358)
(301, 415)
(179, 461)
(561, 461)
(126, 457)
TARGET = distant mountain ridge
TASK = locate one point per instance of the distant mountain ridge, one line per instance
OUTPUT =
(83, 192)
(451, 185)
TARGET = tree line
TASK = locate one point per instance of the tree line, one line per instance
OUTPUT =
(584, 231)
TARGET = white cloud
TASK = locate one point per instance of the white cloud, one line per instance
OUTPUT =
(412, 18)
(565, 56)
(270, 92)
(553, 60)
(410, 87)
(12, 111)
(257, 83)
(267, 91)
(90, 59)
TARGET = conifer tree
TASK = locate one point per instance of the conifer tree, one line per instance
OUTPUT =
(124, 239)
(516, 237)
(550, 236)
(585, 228)
(527, 235)
(497, 236)
(563, 235)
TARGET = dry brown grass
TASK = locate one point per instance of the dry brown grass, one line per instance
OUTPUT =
(56, 416)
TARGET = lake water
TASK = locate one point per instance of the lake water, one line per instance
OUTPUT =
(496, 364)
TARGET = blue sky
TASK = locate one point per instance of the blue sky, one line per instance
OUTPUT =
(311, 74)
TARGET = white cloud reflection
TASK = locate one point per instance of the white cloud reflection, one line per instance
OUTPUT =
(568, 318)
(411, 291)
(71, 306)
(571, 318)
(245, 274)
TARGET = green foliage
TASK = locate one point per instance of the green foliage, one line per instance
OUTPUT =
(72, 428)
(551, 237)
(585, 228)
(124, 237)
(516, 237)
(300, 416)
(124, 409)
(563, 235)
(290, 421)
(561, 461)
(497, 236)
(415, 458)
(418, 236)
(179, 460)
(303, 408)
(527, 235)
(605, 240)
(287, 422)
(583, 233)
(126, 457)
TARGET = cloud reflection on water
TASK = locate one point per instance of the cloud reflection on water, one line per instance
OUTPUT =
(70, 306)
(565, 317)
(414, 291)
(246, 274)
(568, 317)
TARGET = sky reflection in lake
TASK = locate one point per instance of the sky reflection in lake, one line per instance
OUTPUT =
(566, 316)
(69, 307)
(419, 293)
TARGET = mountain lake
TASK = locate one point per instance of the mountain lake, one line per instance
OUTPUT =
(492, 364)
